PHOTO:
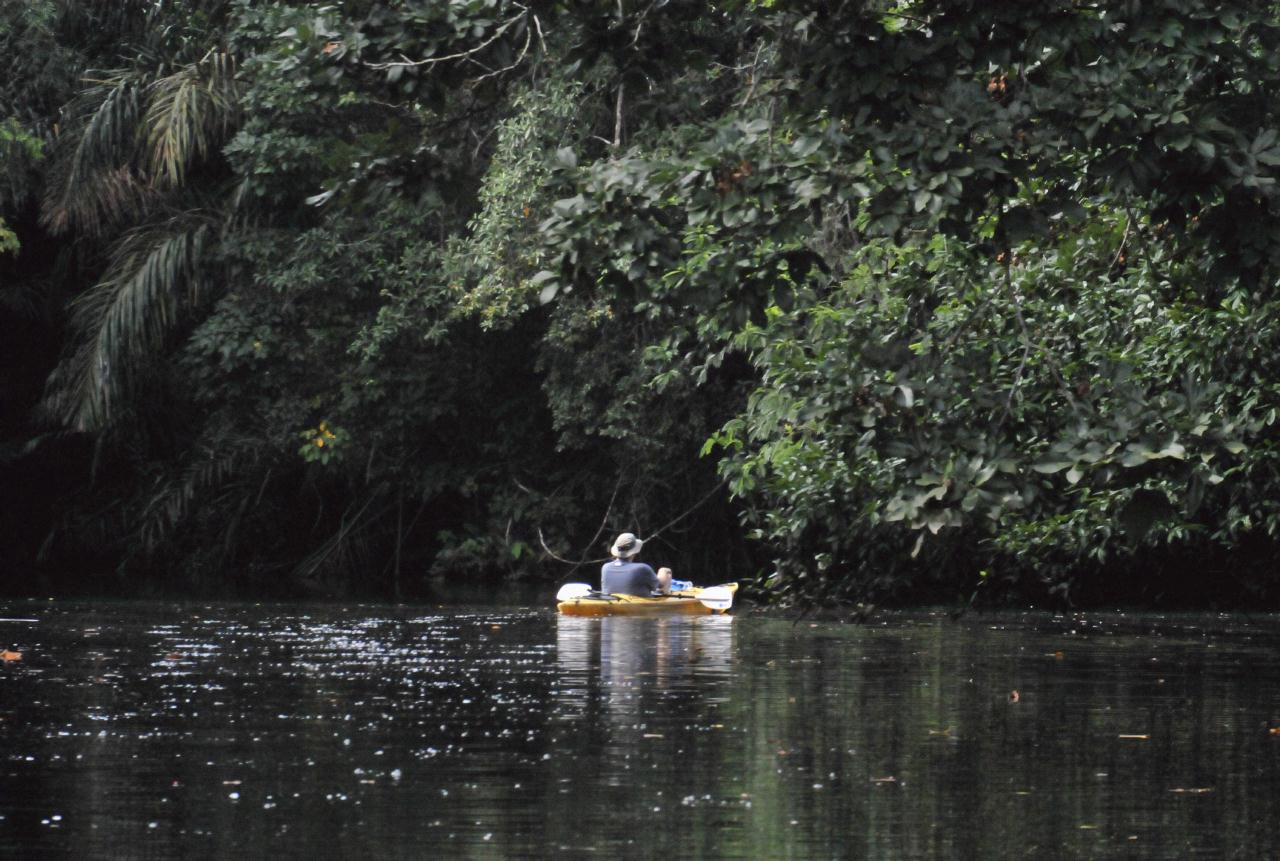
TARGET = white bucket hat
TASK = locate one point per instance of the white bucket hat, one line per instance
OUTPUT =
(626, 546)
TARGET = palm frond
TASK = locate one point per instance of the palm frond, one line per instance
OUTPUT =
(213, 465)
(189, 114)
(84, 22)
(92, 181)
(25, 300)
(129, 135)
(346, 549)
(125, 317)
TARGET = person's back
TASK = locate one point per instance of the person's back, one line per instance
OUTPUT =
(621, 577)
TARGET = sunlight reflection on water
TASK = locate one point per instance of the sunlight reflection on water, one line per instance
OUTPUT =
(149, 730)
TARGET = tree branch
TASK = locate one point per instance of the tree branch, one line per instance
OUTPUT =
(617, 117)
(431, 61)
(528, 38)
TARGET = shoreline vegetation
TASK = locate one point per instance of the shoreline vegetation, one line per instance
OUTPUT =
(858, 304)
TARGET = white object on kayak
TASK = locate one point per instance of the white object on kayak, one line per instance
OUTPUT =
(569, 591)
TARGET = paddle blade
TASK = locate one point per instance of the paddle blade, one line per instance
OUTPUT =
(569, 591)
(716, 598)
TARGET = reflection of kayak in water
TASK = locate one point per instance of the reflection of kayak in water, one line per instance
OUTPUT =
(578, 599)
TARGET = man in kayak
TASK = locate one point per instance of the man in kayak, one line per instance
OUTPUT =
(623, 575)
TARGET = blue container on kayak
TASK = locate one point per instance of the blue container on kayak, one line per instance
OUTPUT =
(680, 585)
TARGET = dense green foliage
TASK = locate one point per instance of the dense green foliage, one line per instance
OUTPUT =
(957, 297)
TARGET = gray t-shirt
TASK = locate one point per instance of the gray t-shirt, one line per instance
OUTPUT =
(628, 578)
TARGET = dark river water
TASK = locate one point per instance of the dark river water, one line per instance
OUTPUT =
(371, 732)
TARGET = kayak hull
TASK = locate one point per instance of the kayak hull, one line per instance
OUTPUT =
(684, 603)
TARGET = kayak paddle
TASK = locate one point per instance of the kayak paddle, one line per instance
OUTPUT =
(716, 598)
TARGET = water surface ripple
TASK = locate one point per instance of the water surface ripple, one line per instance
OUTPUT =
(298, 731)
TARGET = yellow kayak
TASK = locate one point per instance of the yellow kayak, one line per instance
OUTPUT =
(694, 602)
